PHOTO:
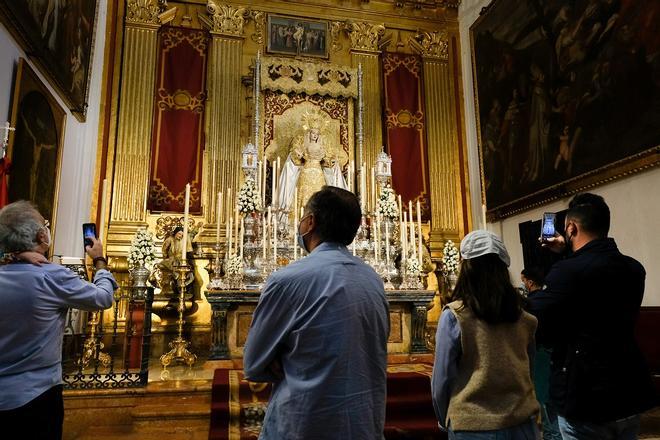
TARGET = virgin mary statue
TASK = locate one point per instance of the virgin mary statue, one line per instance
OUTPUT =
(308, 167)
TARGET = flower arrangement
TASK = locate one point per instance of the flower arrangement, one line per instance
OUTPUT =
(387, 206)
(234, 266)
(142, 251)
(413, 267)
(450, 258)
(248, 197)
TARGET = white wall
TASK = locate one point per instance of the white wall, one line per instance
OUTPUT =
(634, 201)
(80, 141)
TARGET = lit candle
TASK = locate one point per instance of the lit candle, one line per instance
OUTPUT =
(419, 230)
(483, 214)
(218, 210)
(104, 198)
(185, 224)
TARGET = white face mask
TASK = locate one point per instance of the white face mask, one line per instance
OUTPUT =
(47, 229)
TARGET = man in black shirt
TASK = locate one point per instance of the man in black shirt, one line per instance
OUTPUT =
(599, 381)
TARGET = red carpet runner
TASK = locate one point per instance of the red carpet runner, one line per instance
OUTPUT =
(238, 406)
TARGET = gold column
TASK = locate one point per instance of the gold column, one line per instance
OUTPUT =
(136, 106)
(223, 108)
(365, 50)
(441, 126)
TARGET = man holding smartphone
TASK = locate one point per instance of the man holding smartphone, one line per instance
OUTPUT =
(34, 299)
(599, 381)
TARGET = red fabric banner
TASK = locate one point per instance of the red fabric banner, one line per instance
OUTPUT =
(404, 119)
(178, 134)
(5, 165)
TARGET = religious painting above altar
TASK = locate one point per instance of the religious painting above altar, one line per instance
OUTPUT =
(59, 37)
(297, 36)
(567, 96)
(36, 150)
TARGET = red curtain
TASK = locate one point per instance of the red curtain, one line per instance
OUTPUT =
(178, 134)
(5, 165)
(404, 119)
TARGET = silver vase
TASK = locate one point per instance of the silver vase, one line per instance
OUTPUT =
(140, 275)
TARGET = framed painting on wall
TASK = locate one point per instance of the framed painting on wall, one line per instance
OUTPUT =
(297, 36)
(35, 148)
(58, 37)
(567, 96)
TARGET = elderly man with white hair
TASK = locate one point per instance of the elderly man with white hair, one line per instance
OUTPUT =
(34, 298)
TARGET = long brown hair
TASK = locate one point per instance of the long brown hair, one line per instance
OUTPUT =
(484, 286)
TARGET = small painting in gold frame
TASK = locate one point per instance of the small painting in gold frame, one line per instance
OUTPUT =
(297, 36)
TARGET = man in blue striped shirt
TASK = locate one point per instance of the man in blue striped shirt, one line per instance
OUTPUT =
(34, 299)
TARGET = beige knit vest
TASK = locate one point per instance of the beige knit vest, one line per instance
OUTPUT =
(494, 388)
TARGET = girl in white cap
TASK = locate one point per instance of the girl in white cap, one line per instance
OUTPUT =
(482, 384)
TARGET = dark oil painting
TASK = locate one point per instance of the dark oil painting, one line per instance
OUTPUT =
(299, 37)
(36, 145)
(58, 36)
(565, 90)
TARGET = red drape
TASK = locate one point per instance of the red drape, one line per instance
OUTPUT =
(5, 164)
(178, 134)
(404, 119)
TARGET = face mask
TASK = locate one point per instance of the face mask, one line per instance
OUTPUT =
(300, 237)
(47, 229)
(523, 289)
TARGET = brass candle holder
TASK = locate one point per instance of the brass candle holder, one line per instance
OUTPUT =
(92, 348)
(179, 346)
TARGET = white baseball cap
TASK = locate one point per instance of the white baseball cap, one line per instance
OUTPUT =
(478, 243)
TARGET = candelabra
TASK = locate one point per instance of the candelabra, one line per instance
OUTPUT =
(215, 269)
(92, 347)
(179, 346)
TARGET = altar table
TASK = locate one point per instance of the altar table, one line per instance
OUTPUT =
(224, 303)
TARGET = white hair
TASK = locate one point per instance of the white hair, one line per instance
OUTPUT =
(19, 225)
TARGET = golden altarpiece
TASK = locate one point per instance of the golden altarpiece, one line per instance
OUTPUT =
(359, 32)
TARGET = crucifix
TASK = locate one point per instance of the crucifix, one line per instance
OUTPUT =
(5, 138)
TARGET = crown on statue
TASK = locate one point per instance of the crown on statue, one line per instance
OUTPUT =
(312, 120)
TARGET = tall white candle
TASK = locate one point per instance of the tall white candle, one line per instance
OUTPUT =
(237, 223)
(400, 209)
(242, 238)
(419, 231)
(373, 189)
(275, 239)
(266, 224)
(230, 235)
(185, 223)
(273, 186)
(227, 213)
(294, 236)
(387, 243)
(483, 214)
(404, 237)
(263, 182)
(218, 212)
(363, 187)
(104, 201)
(413, 248)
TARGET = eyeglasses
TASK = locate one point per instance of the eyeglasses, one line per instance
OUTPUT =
(46, 224)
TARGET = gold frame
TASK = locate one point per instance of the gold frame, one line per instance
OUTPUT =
(627, 166)
(59, 116)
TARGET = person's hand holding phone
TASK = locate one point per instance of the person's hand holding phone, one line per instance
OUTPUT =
(96, 249)
(556, 244)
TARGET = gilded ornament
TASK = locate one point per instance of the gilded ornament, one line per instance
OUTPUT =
(365, 36)
(432, 45)
(144, 11)
(226, 19)
(259, 27)
(336, 27)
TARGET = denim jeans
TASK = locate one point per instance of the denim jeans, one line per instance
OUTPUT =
(524, 431)
(550, 423)
(624, 429)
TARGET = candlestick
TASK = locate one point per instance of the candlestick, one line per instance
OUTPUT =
(104, 198)
(185, 224)
(218, 210)
(419, 230)
(404, 237)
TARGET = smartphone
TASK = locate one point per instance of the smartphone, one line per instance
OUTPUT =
(89, 230)
(548, 228)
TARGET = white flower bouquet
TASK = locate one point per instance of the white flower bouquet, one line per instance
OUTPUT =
(234, 266)
(450, 258)
(387, 206)
(142, 251)
(413, 267)
(249, 199)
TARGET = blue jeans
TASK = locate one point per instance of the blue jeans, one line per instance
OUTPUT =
(524, 431)
(624, 429)
(550, 423)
